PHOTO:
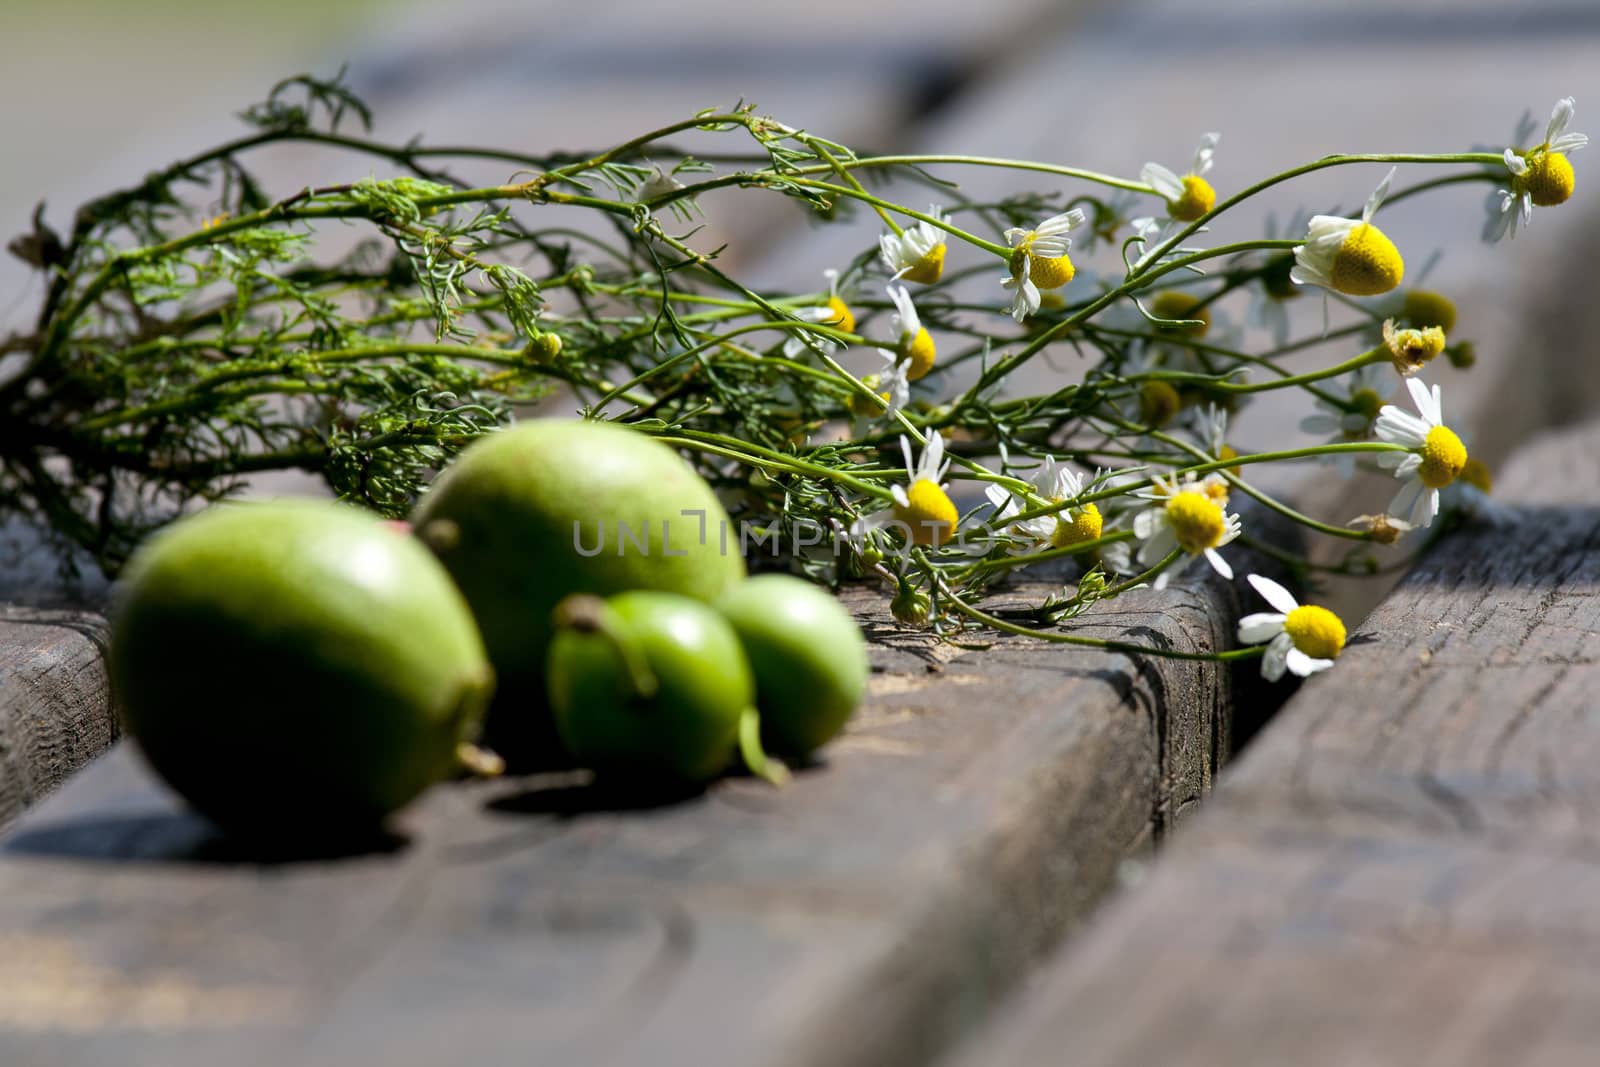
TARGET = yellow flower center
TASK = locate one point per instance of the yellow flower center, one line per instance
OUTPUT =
(1172, 304)
(865, 406)
(919, 355)
(1424, 308)
(1412, 349)
(1197, 199)
(1215, 488)
(1228, 452)
(1158, 403)
(1079, 525)
(1476, 473)
(1050, 273)
(1549, 179)
(1315, 631)
(842, 316)
(927, 269)
(928, 513)
(1196, 519)
(1443, 456)
(1367, 263)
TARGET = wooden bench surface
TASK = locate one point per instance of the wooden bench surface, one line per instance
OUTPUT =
(1402, 869)
(863, 915)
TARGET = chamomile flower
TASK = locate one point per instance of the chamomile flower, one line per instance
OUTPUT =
(922, 506)
(1412, 349)
(1435, 457)
(1187, 515)
(1347, 256)
(1351, 417)
(1039, 260)
(1540, 176)
(834, 313)
(889, 385)
(917, 253)
(1303, 638)
(1055, 482)
(1188, 196)
(913, 344)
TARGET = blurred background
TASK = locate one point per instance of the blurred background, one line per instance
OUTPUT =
(97, 92)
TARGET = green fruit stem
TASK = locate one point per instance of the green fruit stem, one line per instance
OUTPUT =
(587, 614)
(479, 762)
(755, 757)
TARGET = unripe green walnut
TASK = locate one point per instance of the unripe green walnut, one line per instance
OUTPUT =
(649, 685)
(808, 655)
(553, 507)
(295, 668)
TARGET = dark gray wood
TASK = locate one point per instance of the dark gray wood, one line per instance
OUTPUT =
(1403, 869)
(55, 713)
(863, 916)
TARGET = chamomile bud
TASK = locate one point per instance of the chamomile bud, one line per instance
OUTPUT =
(1424, 307)
(1384, 529)
(1159, 402)
(910, 605)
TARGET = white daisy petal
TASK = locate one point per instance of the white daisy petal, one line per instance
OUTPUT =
(1303, 665)
(1272, 662)
(1166, 184)
(1219, 564)
(1400, 427)
(1263, 626)
(1560, 116)
(1273, 593)
(1146, 522)
(1375, 201)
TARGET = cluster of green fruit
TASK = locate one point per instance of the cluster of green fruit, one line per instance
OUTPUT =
(302, 666)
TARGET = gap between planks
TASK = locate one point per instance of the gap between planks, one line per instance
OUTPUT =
(1403, 868)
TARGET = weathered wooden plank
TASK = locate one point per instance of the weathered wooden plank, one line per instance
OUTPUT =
(55, 712)
(863, 916)
(1403, 868)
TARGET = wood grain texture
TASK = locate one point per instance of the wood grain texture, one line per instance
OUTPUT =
(862, 916)
(55, 712)
(1405, 866)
